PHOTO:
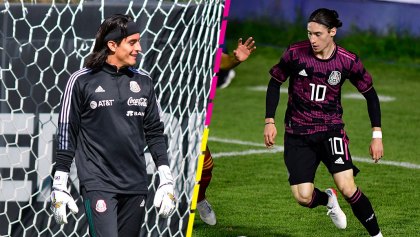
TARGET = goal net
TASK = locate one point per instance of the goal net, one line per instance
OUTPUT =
(41, 44)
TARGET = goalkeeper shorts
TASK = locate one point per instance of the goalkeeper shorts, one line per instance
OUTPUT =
(112, 215)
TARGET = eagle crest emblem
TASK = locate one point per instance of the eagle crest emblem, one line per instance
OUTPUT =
(335, 78)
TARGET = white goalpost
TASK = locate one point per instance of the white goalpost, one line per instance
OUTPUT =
(41, 44)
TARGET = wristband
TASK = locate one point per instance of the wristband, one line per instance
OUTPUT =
(165, 175)
(60, 180)
(377, 134)
(270, 123)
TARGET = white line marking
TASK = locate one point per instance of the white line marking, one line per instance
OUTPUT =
(281, 149)
(388, 162)
(264, 88)
(233, 141)
(247, 152)
(356, 96)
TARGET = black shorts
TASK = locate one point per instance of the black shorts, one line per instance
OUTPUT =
(113, 215)
(303, 153)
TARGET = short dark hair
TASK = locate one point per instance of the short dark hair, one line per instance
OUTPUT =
(326, 17)
(115, 23)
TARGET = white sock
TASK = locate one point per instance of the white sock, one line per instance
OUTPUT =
(378, 235)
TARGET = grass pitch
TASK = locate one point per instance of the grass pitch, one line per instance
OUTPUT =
(250, 192)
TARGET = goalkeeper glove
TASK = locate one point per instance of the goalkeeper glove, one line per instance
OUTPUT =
(60, 198)
(164, 196)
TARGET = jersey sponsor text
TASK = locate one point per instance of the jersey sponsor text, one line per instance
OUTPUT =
(137, 102)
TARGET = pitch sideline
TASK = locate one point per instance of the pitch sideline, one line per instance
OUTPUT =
(281, 149)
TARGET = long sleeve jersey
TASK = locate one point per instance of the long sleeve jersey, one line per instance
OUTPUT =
(107, 117)
(314, 102)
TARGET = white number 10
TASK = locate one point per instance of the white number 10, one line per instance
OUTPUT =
(337, 147)
(318, 92)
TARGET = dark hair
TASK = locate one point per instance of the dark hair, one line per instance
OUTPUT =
(110, 25)
(326, 17)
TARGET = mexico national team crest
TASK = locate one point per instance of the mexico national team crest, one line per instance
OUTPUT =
(100, 206)
(334, 78)
(134, 86)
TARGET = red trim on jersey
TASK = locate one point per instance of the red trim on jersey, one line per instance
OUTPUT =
(276, 79)
(346, 53)
(367, 90)
(299, 45)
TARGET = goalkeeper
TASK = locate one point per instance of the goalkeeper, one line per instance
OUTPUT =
(240, 54)
(109, 113)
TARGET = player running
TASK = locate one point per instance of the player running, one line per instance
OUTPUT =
(314, 129)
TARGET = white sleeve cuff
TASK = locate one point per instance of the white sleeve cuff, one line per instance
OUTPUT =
(60, 180)
(165, 175)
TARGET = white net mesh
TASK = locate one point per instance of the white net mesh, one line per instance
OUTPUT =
(42, 44)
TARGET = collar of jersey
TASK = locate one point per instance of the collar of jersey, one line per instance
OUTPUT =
(113, 70)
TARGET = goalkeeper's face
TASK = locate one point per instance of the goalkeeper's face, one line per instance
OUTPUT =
(127, 51)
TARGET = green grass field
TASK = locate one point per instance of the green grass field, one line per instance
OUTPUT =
(250, 192)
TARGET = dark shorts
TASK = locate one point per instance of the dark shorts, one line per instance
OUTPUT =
(303, 153)
(113, 215)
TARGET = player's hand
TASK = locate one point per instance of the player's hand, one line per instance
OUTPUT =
(164, 196)
(165, 200)
(376, 149)
(60, 198)
(270, 133)
(243, 51)
(59, 201)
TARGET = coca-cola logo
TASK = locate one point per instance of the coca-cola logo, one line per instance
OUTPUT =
(137, 102)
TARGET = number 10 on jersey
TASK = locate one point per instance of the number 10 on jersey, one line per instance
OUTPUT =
(318, 92)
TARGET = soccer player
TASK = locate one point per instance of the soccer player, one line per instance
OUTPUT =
(109, 113)
(240, 54)
(314, 129)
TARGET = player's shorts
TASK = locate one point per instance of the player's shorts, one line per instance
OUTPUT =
(113, 215)
(303, 153)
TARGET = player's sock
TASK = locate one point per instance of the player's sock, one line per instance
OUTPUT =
(205, 176)
(362, 209)
(318, 198)
(204, 183)
(378, 235)
(203, 206)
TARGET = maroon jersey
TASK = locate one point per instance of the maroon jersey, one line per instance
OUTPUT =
(314, 103)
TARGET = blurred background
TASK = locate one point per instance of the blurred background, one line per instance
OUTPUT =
(386, 29)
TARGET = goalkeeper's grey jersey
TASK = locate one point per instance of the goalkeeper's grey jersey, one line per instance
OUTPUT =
(106, 120)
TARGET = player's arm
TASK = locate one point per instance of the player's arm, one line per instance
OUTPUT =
(279, 74)
(374, 110)
(68, 130)
(240, 54)
(153, 129)
(362, 80)
(271, 102)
